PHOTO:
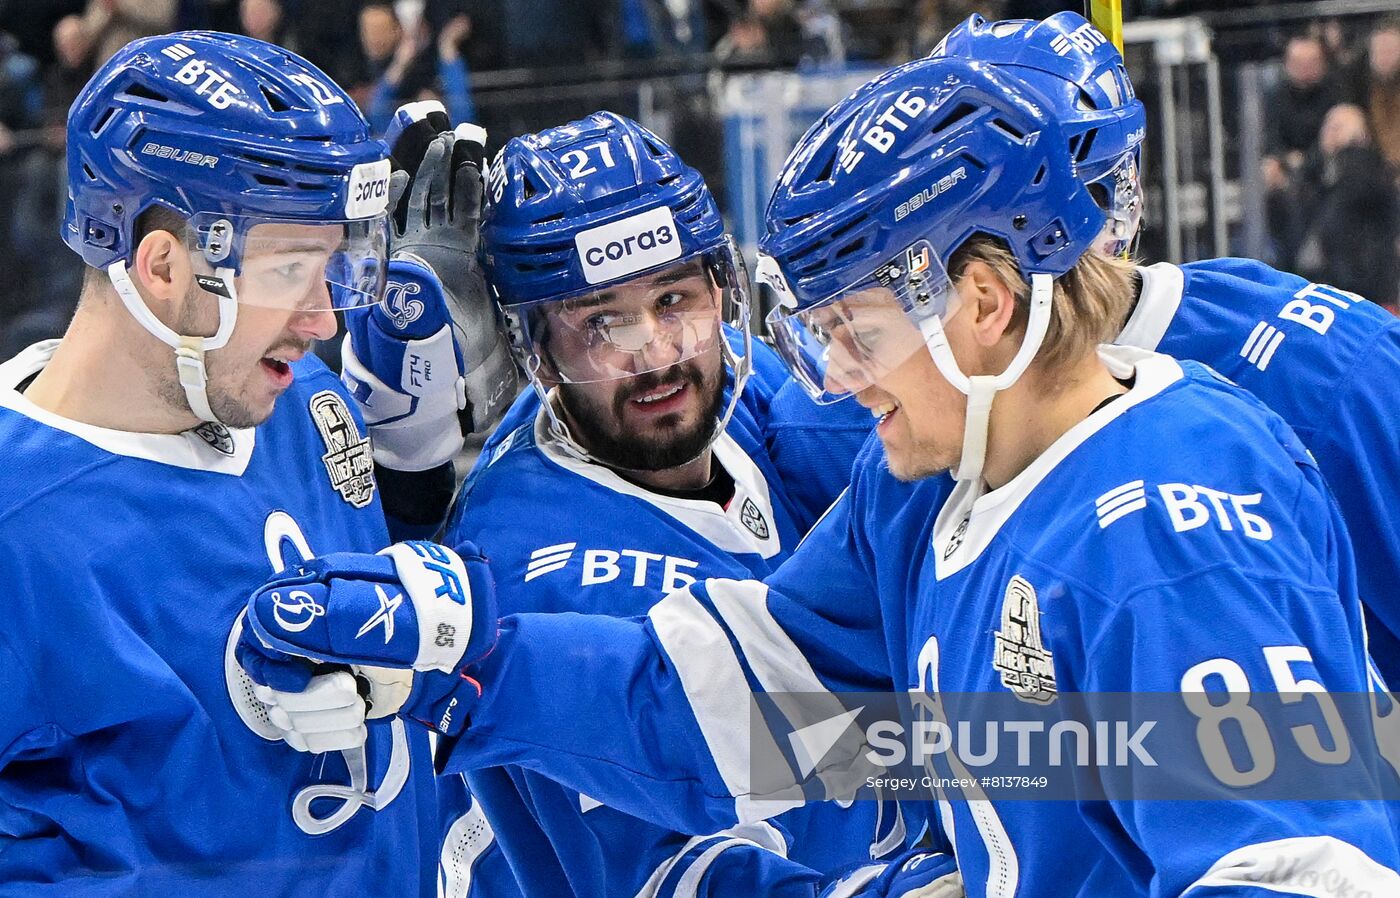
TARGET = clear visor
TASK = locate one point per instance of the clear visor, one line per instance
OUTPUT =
(1119, 194)
(656, 320)
(295, 266)
(864, 332)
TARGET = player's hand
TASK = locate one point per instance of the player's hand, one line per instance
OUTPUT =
(416, 606)
(403, 366)
(328, 715)
(438, 224)
(915, 874)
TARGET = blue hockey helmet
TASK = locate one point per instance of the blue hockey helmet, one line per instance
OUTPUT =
(1095, 80)
(584, 213)
(248, 144)
(887, 186)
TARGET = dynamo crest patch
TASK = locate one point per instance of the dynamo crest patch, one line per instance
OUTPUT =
(349, 462)
(1027, 668)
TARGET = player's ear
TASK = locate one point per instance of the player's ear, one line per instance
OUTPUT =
(993, 301)
(161, 269)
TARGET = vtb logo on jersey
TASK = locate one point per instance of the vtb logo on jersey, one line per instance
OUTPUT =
(1027, 668)
(348, 460)
(645, 570)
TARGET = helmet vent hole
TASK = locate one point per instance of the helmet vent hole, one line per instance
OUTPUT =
(89, 172)
(653, 148)
(263, 160)
(274, 101)
(1086, 143)
(103, 119)
(854, 246)
(141, 91)
(1086, 101)
(1009, 129)
(1039, 176)
(269, 180)
(528, 187)
(668, 180)
(958, 113)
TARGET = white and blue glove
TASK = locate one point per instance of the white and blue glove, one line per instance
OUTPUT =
(408, 623)
(429, 364)
(914, 874)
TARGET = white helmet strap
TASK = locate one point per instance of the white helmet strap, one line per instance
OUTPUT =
(189, 351)
(981, 390)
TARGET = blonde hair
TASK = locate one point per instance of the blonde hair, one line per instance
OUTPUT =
(1091, 300)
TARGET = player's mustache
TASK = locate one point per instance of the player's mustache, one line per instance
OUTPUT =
(645, 383)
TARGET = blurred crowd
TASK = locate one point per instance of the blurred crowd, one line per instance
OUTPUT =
(517, 65)
(1332, 158)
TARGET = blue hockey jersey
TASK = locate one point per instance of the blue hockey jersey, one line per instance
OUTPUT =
(1329, 363)
(134, 759)
(1176, 539)
(569, 536)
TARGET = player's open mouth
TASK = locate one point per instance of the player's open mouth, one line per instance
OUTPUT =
(661, 398)
(884, 412)
(280, 367)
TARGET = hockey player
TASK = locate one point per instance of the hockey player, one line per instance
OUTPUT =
(1080, 501)
(1324, 359)
(177, 445)
(611, 266)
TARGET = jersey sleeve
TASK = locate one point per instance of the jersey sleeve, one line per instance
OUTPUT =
(655, 715)
(1358, 451)
(814, 447)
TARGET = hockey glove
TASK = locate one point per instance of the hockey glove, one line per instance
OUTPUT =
(416, 606)
(915, 874)
(436, 226)
(328, 715)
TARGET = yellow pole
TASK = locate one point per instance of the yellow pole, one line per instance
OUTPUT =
(1107, 16)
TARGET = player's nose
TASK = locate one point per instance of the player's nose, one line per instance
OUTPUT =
(314, 320)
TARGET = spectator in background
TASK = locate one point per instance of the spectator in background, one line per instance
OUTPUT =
(109, 25)
(1381, 92)
(27, 189)
(409, 73)
(1348, 210)
(1298, 105)
(935, 18)
(264, 20)
(767, 34)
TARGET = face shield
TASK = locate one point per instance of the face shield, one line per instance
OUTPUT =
(651, 322)
(1119, 194)
(294, 266)
(862, 333)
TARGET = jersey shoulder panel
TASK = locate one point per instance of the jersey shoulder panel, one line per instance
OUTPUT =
(1201, 475)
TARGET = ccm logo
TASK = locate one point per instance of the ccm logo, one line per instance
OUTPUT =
(628, 246)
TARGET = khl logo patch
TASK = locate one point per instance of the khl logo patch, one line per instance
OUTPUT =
(1027, 668)
(752, 518)
(348, 460)
(217, 436)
